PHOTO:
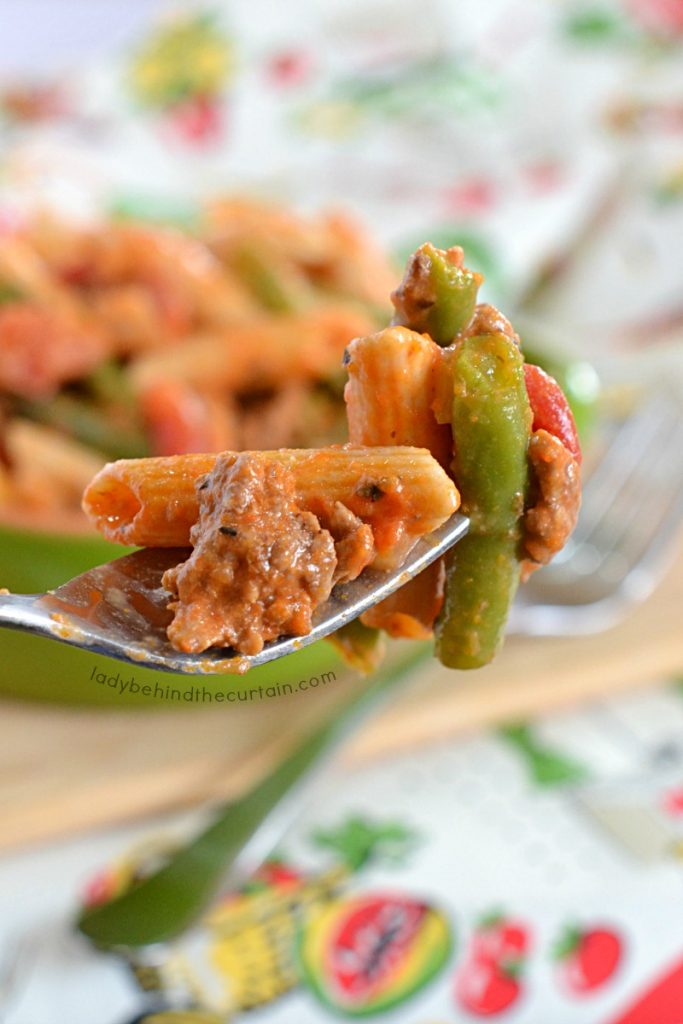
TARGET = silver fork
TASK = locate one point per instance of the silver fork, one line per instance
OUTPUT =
(632, 507)
(630, 517)
(119, 608)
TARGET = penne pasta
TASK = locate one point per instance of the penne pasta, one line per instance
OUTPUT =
(23, 269)
(391, 391)
(409, 613)
(355, 264)
(47, 474)
(228, 220)
(394, 382)
(401, 493)
(333, 250)
(261, 353)
(228, 337)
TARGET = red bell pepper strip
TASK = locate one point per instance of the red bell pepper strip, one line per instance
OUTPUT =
(550, 408)
(176, 418)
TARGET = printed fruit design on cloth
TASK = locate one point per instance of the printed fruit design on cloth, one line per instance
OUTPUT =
(254, 943)
(245, 952)
(180, 1017)
(587, 957)
(672, 802)
(489, 981)
(182, 71)
(546, 766)
(252, 931)
(662, 1003)
(366, 953)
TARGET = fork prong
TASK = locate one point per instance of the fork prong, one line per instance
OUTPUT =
(631, 450)
(629, 522)
(120, 609)
(633, 515)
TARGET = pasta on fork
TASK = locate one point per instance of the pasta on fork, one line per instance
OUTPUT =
(439, 404)
(272, 532)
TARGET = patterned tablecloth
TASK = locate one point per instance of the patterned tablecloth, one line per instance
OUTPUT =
(526, 131)
(536, 873)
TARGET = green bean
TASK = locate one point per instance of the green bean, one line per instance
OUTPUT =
(109, 383)
(362, 647)
(482, 574)
(269, 284)
(89, 425)
(491, 421)
(9, 292)
(437, 295)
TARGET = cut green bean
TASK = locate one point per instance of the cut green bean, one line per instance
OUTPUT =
(437, 295)
(10, 292)
(491, 421)
(267, 283)
(482, 575)
(90, 425)
(362, 647)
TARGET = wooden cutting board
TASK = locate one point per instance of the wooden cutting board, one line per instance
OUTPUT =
(64, 771)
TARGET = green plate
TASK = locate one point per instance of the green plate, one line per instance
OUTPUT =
(32, 668)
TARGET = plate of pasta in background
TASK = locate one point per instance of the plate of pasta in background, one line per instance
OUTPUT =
(125, 346)
(122, 339)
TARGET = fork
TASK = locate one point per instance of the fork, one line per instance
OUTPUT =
(631, 513)
(632, 507)
(119, 609)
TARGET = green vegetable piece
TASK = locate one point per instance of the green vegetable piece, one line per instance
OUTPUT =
(482, 575)
(491, 421)
(10, 292)
(437, 295)
(110, 383)
(362, 647)
(267, 283)
(90, 425)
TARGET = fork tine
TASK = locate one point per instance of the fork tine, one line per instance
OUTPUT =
(628, 454)
(632, 514)
(645, 498)
(630, 451)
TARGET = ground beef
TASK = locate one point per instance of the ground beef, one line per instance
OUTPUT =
(261, 564)
(415, 296)
(353, 541)
(557, 486)
(489, 320)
